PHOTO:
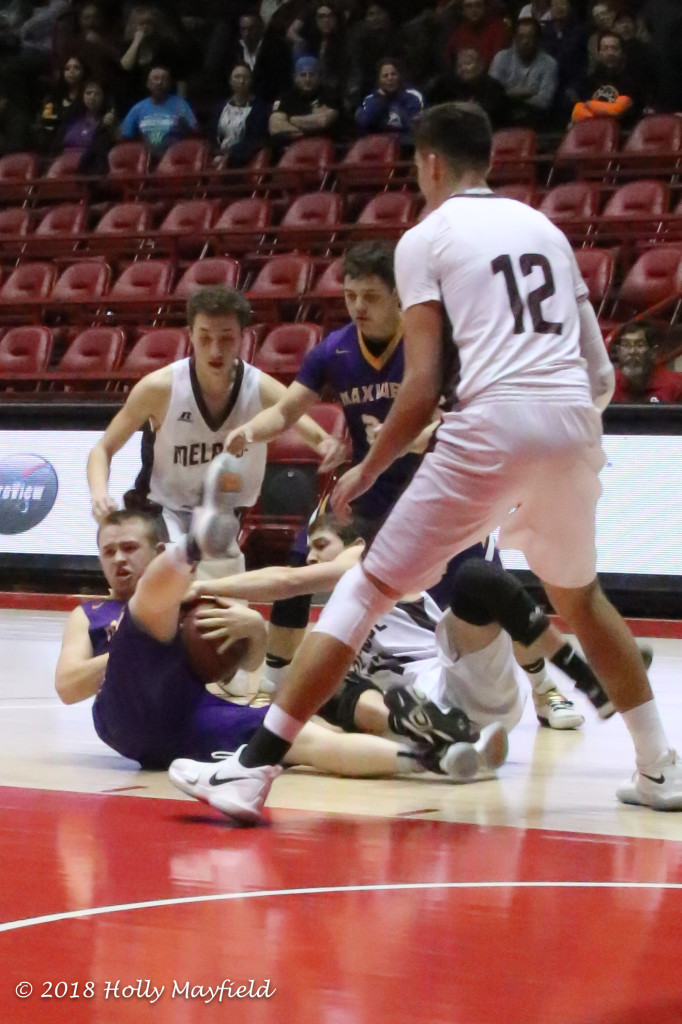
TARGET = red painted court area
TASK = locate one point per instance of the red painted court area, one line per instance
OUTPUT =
(336, 919)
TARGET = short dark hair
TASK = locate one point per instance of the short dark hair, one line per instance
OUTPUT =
(347, 533)
(533, 22)
(609, 33)
(458, 132)
(153, 525)
(370, 258)
(217, 300)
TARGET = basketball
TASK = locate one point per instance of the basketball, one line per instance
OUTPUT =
(202, 654)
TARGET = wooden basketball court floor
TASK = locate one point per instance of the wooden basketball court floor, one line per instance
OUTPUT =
(533, 899)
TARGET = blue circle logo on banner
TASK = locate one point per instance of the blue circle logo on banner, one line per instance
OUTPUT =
(28, 490)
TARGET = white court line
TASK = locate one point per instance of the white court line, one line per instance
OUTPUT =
(71, 915)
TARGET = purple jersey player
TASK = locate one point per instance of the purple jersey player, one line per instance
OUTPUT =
(149, 706)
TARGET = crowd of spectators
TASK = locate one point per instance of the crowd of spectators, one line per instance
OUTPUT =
(244, 72)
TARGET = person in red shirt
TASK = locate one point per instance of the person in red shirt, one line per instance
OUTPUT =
(479, 29)
(638, 378)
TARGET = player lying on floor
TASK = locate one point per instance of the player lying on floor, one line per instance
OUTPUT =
(150, 706)
(419, 667)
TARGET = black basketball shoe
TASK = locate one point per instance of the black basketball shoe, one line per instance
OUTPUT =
(411, 714)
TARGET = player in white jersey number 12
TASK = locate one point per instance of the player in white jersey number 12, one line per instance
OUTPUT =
(496, 279)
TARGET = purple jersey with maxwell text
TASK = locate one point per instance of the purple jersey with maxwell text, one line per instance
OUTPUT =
(151, 707)
(366, 386)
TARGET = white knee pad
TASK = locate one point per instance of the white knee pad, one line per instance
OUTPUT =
(353, 608)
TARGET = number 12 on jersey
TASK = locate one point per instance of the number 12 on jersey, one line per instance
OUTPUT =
(528, 262)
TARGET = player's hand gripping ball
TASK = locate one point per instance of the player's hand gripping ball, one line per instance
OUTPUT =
(204, 654)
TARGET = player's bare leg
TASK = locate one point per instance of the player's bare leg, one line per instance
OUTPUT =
(155, 605)
(611, 649)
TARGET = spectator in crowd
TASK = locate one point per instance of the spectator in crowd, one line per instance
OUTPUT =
(663, 21)
(162, 118)
(248, 45)
(565, 39)
(602, 19)
(391, 107)
(37, 32)
(369, 40)
(634, 350)
(615, 88)
(469, 82)
(323, 35)
(528, 74)
(15, 120)
(242, 127)
(93, 129)
(638, 52)
(479, 29)
(88, 36)
(61, 104)
(307, 109)
(148, 43)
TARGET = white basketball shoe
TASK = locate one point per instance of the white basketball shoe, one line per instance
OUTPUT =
(469, 762)
(214, 526)
(555, 711)
(658, 785)
(228, 786)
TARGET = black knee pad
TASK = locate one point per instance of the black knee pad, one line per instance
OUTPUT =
(340, 709)
(291, 612)
(485, 593)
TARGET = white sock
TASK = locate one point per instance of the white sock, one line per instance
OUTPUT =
(645, 726)
(540, 679)
(282, 724)
(275, 672)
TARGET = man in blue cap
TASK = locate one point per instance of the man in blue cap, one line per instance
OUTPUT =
(307, 109)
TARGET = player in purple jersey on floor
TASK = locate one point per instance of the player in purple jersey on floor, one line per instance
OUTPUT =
(125, 651)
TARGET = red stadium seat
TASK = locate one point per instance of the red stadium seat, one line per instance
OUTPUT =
(217, 270)
(574, 208)
(597, 267)
(82, 282)
(27, 289)
(155, 349)
(14, 227)
(635, 213)
(25, 350)
(304, 164)
(144, 280)
(142, 288)
(93, 351)
(284, 349)
(386, 216)
(653, 279)
(179, 170)
(310, 222)
(242, 225)
(128, 164)
(189, 223)
(280, 284)
(326, 297)
(513, 150)
(588, 148)
(654, 147)
(57, 184)
(58, 231)
(17, 172)
(122, 230)
(369, 161)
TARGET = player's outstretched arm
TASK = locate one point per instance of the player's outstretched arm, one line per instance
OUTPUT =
(282, 408)
(229, 621)
(79, 674)
(275, 582)
(146, 401)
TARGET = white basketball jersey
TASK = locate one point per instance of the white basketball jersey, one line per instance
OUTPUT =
(510, 287)
(175, 457)
(403, 637)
